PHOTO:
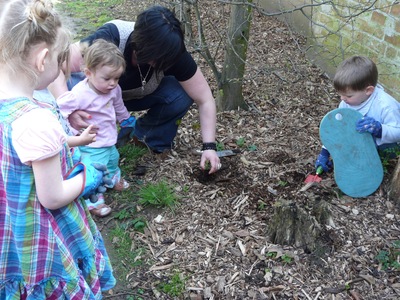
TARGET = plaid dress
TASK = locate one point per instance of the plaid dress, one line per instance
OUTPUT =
(44, 254)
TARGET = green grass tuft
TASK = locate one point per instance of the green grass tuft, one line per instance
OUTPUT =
(175, 286)
(129, 156)
(159, 195)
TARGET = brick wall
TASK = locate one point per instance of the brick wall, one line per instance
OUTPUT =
(375, 33)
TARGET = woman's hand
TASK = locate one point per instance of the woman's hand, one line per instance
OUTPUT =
(211, 157)
(78, 120)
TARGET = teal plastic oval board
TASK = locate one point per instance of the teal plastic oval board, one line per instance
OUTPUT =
(358, 169)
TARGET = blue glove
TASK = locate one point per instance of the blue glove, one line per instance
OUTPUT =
(95, 177)
(126, 130)
(130, 122)
(76, 155)
(368, 124)
(323, 160)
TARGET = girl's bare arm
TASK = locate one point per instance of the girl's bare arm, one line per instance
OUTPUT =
(52, 190)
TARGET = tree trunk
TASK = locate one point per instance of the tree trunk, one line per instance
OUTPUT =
(230, 89)
(394, 189)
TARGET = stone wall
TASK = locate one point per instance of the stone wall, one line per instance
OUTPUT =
(350, 28)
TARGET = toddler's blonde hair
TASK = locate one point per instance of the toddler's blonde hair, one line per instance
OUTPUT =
(103, 53)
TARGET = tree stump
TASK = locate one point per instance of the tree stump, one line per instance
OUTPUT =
(294, 226)
(322, 212)
(394, 188)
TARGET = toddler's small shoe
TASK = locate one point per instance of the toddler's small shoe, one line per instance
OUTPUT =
(102, 210)
(121, 185)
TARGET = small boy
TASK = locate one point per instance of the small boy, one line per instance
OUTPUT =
(356, 82)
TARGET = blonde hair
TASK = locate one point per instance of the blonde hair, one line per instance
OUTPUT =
(103, 53)
(25, 24)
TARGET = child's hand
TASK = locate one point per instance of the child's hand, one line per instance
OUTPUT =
(86, 136)
(368, 124)
(130, 122)
(126, 131)
(94, 179)
(323, 160)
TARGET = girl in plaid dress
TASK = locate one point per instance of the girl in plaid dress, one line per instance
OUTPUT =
(50, 248)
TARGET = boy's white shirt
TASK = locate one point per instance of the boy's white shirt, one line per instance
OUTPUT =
(383, 108)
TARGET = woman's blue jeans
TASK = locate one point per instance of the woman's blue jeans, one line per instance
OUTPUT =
(165, 107)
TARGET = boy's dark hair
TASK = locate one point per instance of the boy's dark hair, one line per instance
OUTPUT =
(355, 73)
(157, 37)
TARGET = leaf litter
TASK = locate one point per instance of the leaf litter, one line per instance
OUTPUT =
(217, 237)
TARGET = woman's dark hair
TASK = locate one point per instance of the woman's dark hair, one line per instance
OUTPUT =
(157, 37)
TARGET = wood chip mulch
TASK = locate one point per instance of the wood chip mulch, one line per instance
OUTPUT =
(217, 237)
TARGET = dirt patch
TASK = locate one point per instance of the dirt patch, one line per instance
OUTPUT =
(217, 239)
